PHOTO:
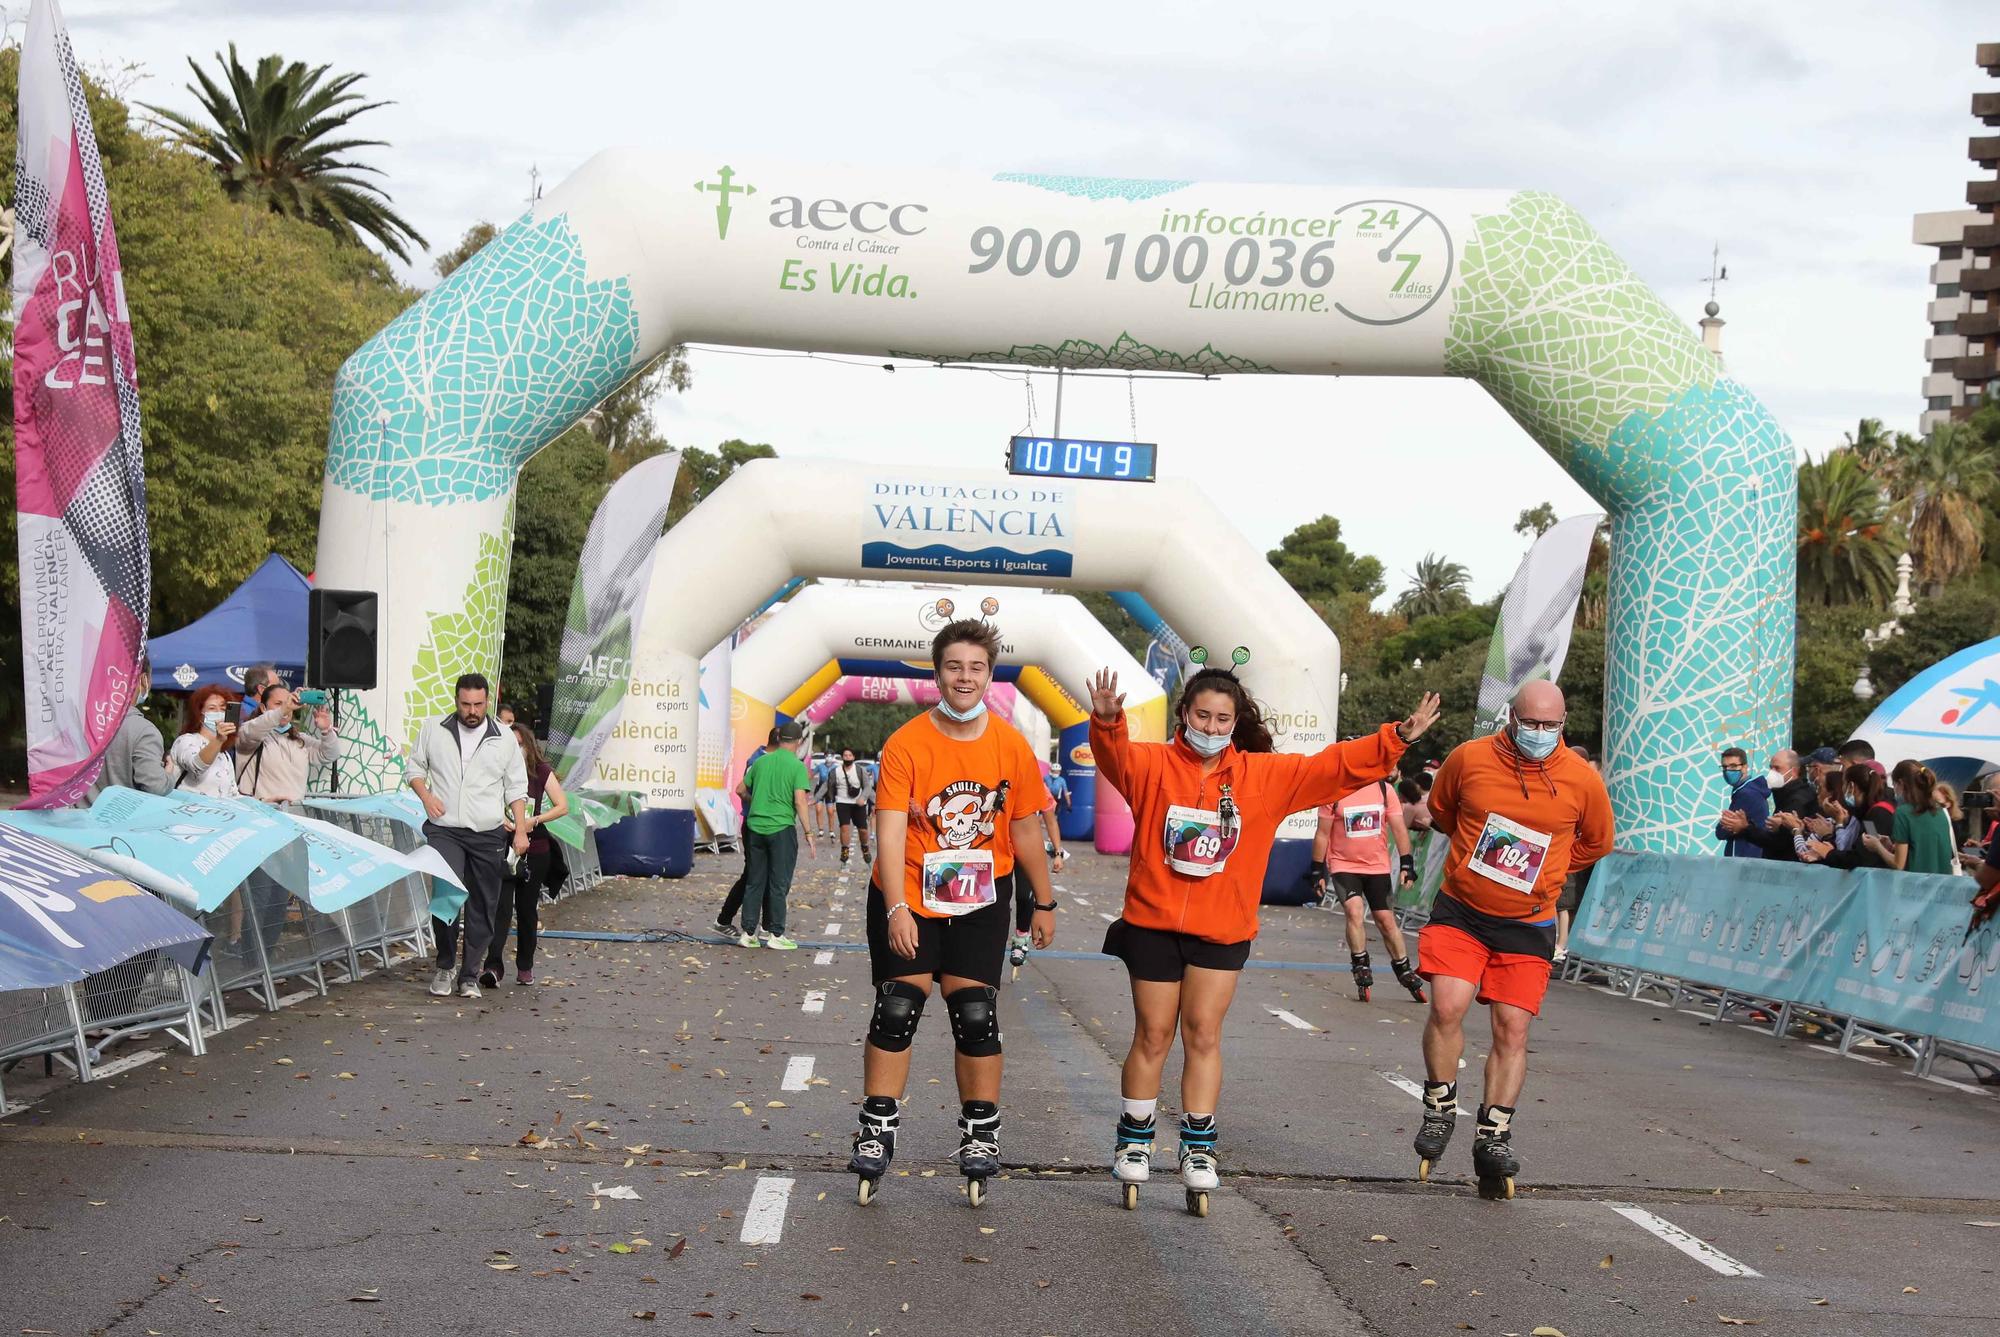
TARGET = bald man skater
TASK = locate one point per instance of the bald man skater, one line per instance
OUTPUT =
(1522, 812)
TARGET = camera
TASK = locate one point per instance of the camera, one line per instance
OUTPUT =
(1975, 798)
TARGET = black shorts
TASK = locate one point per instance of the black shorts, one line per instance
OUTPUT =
(1155, 954)
(1375, 887)
(971, 946)
(853, 814)
(1573, 888)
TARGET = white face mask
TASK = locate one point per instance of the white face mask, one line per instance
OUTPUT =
(1775, 779)
(1204, 744)
(211, 718)
(962, 717)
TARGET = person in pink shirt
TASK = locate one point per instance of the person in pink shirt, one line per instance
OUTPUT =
(1351, 848)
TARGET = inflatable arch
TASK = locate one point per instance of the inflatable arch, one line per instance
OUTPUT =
(776, 518)
(434, 416)
(1050, 639)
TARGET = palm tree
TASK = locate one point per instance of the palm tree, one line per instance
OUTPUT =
(1436, 586)
(1941, 483)
(1871, 443)
(269, 144)
(1847, 542)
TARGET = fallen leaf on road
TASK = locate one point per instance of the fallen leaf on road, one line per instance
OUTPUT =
(1427, 1282)
(1820, 1302)
(1380, 1239)
(284, 1063)
(1740, 1322)
(675, 1252)
(505, 1267)
(1546, 1331)
(1606, 1264)
(974, 1258)
(1909, 1290)
(364, 1299)
(647, 1314)
(622, 1191)
(775, 1105)
(621, 1248)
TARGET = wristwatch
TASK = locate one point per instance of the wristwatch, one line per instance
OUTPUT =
(1050, 906)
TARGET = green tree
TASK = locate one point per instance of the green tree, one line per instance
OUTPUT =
(1871, 443)
(703, 471)
(864, 726)
(1536, 520)
(1829, 658)
(559, 492)
(1847, 543)
(1315, 562)
(272, 136)
(1943, 481)
(1432, 635)
(1436, 586)
(1962, 616)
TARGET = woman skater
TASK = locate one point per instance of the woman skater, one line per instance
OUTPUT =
(1205, 809)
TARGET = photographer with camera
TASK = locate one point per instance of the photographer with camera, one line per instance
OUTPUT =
(273, 756)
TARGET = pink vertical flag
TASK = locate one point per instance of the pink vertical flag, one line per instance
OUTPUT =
(86, 577)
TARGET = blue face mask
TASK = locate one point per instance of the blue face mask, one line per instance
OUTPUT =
(1536, 744)
(211, 718)
(1204, 744)
(286, 727)
(1732, 776)
(962, 717)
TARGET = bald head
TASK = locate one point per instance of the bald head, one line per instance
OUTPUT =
(1785, 762)
(1539, 701)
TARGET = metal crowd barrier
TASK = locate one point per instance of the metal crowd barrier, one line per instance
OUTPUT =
(73, 1025)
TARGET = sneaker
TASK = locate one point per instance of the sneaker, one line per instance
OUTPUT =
(469, 989)
(489, 978)
(524, 977)
(778, 942)
(1561, 955)
(746, 940)
(727, 929)
(441, 979)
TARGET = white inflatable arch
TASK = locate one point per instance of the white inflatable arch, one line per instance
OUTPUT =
(638, 251)
(1051, 638)
(777, 519)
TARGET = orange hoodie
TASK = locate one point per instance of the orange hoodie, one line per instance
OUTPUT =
(1266, 787)
(1517, 827)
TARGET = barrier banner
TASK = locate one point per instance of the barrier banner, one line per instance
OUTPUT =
(198, 850)
(398, 805)
(79, 471)
(62, 918)
(612, 574)
(1887, 948)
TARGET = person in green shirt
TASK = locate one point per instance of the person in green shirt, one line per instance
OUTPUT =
(1920, 836)
(779, 792)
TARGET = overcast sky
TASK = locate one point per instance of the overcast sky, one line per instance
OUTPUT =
(1802, 138)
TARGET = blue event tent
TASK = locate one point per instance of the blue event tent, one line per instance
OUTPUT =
(262, 622)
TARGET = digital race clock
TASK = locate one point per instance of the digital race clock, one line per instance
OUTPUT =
(1114, 461)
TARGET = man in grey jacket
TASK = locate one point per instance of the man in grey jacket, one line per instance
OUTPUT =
(136, 757)
(474, 785)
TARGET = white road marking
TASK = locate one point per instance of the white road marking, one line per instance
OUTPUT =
(1109, 919)
(823, 957)
(1408, 1087)
(126, 1064)
(1707, 1255)
(1290, 1020)
(833, 929)
(798, 1071)
(764, 1220)
(815, 1001)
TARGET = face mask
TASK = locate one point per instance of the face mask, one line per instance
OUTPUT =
(1204, 744)
(286, 727)
(1732, 776)
(964, 717)
(1775, 779)
(211, 718)
(1535, 744)
(1850, 802)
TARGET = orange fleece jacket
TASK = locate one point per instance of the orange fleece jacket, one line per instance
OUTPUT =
(1266, 787)
(1561, 797)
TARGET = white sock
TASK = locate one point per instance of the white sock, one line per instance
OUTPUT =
(1140, 1111)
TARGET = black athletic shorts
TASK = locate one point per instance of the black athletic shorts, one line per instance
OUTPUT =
(1376, 887)
(1155, 954)
(972, 946)
(853, 814)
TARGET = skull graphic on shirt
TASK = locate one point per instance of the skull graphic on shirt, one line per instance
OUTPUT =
(962, 813)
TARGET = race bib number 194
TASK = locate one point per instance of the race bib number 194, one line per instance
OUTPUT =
(1510, 854)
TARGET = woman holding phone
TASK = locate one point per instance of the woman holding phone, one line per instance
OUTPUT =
(204, 752)
(1205, 810)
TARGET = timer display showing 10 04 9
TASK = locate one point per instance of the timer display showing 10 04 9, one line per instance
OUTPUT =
(1116, 461)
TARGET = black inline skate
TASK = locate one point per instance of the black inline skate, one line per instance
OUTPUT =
(1406, 975)
(978, 1153)
(1440, 1118)
(874, 1144)
(1493, 1158)
(1364, 977)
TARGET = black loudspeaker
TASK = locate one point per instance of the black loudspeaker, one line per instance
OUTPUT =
(340, 638)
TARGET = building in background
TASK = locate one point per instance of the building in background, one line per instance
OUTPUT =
(1963, 349)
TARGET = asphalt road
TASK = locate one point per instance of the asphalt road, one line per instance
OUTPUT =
(379, 1161)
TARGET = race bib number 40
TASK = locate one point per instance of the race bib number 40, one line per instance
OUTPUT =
(1196, 841)
(957, 882)
(1363, 821)
(1510, 854)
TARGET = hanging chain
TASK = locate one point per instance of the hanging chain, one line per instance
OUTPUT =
(1132, 403)
(1028, 382)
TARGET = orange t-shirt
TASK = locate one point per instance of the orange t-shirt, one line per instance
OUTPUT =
(949, 789)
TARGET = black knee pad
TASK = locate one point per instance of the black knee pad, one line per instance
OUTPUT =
(898, 1007)
(975, 1020)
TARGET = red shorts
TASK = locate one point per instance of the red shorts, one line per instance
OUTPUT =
(1515, 978)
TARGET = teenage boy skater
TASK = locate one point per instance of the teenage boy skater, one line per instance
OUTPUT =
(958, 802)
(1522, 812)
